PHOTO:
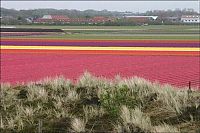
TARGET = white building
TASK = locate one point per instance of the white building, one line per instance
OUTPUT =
(47, 17)
(153, 17)
(190, 19)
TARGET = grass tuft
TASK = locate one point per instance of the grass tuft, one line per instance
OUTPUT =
(78, 125)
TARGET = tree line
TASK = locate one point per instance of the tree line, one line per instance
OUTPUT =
(12, 16)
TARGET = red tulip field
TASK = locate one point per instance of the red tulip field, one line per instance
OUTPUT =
(175, 70)
(174, 62)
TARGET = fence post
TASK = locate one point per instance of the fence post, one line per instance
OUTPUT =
(40, 126)
(189, 85)
(189, 89)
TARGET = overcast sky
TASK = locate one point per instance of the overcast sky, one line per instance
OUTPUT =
(133, 6)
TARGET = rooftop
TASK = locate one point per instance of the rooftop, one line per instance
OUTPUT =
(154, 17)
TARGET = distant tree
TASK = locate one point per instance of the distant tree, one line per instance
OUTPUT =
(87, 16)
(19, 18)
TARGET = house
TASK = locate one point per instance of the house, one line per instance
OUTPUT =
(140, 19)
(53, 19)
(63, 19)
(29, 20)
(79, 20)
(190, 19)
(172, 19)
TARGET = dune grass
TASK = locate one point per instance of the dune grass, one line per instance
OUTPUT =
(95, 104)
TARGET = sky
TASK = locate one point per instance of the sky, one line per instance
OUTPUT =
(133, 6)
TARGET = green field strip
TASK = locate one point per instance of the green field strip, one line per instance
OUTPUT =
(111, 37)
(166, 27)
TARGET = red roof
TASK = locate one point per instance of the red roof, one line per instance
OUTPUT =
(56, 18)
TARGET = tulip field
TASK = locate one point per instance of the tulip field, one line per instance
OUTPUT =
(174, 62)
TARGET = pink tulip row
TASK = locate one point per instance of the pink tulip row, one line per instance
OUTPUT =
(174, 70)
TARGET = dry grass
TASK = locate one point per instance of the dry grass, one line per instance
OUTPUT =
(165, 128)
(96, 104)
(135, 117)
(78, 125)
